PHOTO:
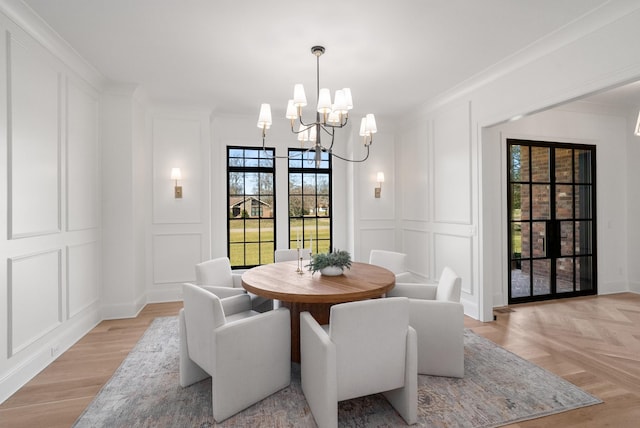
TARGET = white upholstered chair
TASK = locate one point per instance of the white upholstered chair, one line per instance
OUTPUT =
(216, 276)
(437, 315)
(395, 262)
(246, 353)
(368, 347)
(291, 254)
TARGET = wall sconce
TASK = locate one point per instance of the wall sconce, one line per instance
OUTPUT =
(637, 131)
(380, 180)
(176, 175)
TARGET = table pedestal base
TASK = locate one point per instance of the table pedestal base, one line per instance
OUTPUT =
(319, 311)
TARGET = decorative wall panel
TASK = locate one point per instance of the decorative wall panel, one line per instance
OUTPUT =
(34, 143)
(34, 298)
(375, 239)
(455, 252)
(177, 143)
(417, 245)
(82, 277)
(82, 158)
(413, 169)
(452, 165)
(175, 257)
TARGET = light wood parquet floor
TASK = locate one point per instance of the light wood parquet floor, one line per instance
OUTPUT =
(593, 342)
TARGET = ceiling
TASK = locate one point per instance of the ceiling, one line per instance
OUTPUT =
(229, 56)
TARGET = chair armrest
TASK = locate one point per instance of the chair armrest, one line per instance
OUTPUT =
(223, 292)
(437, 315)
(237, 280)
(414, 291)
(318, 370)
(236, 304)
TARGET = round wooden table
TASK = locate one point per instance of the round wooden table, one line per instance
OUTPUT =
(315, 293)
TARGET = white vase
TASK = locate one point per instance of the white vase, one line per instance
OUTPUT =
(331, 271)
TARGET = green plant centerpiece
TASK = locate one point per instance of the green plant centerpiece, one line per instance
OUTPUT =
(330, 264)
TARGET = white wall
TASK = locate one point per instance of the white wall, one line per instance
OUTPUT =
(49, 198)
(437, 191)
(123, 202)
(595, 53)
(633, 202)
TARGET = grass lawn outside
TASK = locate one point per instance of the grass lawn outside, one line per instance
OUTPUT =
(252, 240)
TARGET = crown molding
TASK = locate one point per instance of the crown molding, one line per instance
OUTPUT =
(25, 18)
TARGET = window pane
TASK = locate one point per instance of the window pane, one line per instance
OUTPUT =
(266, 253)
(584, 206)
(564, 166)
(566, 238)
(564, 275)
(295, 206)
(541, 209)
(525, 208)
(309, 205)
(521, 279)
(540, 164)
(295, 183)
(236, 183)
(564, 201)
(526, 239)
(583, 166)
(236, 231)
(517, 163)
(252, 254)
(539, 239)
(236, 254)
(583, 237)
(516, 240)
(541, 277)
(516, 204)
(584, 269)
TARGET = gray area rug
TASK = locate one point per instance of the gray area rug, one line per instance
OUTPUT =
(499, 388)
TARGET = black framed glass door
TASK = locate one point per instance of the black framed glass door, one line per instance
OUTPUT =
(552, 220)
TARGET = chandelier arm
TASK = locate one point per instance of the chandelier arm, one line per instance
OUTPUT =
(305, 124)
(302, 130)
(264, 150)
(352, 160)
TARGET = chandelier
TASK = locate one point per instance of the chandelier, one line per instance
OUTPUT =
(329, 117)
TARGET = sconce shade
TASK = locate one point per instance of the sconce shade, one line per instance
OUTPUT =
(380, 177)
(324, 101)
(347, 98)
(292, 112)
(303, 133)
(637, 131)
(363, 127)
(340, 104)
(176, 174)
(264, 119)
(299, 98)
(334, 118)
(371, 127)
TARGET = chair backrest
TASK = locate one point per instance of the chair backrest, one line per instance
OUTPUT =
(370, 338)
(449, 286)
(203, 312)
(288, 255)
(395, 262)
(215, 272)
